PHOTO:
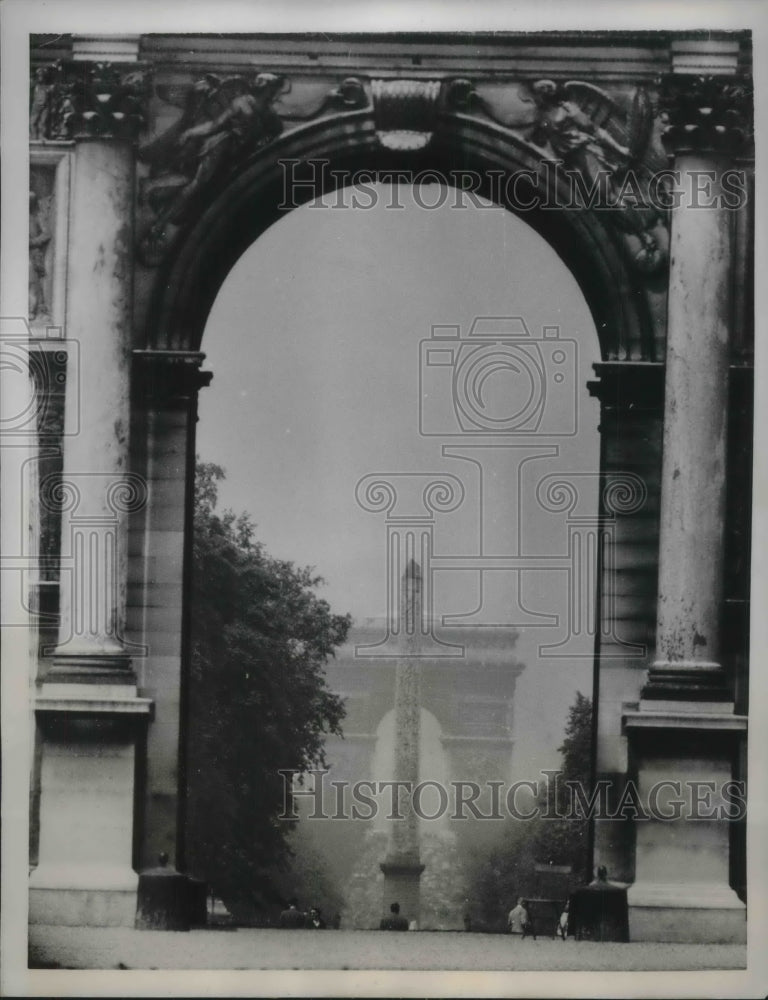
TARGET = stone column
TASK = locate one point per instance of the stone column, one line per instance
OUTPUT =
(684, 736)
(88, 709)
(169, 382)
(96, 488)
(707, 126)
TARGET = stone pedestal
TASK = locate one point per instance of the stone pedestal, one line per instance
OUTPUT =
(85, 874)
(402, 884)
(684, 765)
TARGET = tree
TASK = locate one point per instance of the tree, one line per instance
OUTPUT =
(512, 867)
(258, 698)
(564, 841)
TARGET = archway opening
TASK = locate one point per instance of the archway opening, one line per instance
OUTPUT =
(383, 333)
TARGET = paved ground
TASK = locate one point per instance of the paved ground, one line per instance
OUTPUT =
(246, 948)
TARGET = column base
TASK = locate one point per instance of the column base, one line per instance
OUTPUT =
(690, 913)
(701, 684)
(83, 896)
(91, 668)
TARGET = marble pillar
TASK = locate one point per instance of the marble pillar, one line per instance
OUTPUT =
(684, 729)
(90, 716)
(708, 125)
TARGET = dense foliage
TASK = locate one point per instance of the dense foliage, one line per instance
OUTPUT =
(259, 701)
(564, 841)
(517, 864)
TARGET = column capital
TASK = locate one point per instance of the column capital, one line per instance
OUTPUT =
(706, 114)
(170, 375)
(82, 99)
(629, 387)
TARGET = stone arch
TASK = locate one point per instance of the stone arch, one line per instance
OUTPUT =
(685, 707)
(234, 213)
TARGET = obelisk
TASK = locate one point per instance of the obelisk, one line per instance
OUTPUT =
(402, 867)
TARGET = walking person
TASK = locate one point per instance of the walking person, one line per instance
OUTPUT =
(518, 920)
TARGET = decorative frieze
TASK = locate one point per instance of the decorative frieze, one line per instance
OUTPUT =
(601, 148)
(222, 118)
(605, 154)
(223, 121)
(707, 114)
(76, 100)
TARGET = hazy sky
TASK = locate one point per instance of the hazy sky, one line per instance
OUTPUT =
(314, 341)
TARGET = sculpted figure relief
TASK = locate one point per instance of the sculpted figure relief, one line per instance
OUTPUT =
(41, 94)
(39, 238)
(221, 118)
(571, 133)
(581, 125)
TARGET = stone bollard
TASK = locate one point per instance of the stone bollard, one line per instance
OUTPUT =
(598, 911)
(163, 902)
(197, 902)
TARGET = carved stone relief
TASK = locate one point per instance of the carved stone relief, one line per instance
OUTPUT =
(581, 128)
(48, 227)
(74, 99)
(607, 144)
(41, 216)
(223, 120)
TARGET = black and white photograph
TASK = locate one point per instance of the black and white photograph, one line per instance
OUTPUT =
(382, 471)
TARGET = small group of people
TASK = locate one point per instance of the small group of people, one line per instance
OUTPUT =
(519, 920)
(293, 918)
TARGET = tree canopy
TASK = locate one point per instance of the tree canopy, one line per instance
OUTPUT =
(514, 866)
(258, 698)
(564, 841)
